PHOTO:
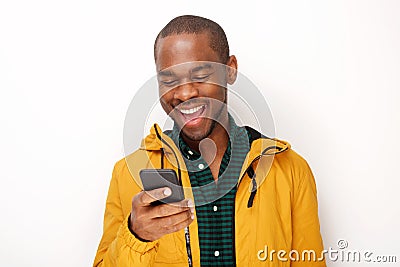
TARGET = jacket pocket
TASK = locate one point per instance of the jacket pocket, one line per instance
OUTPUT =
(168, 251)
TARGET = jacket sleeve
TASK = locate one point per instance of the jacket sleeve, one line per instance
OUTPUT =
(305, 223)
(118, 246)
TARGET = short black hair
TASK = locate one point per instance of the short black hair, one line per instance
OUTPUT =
(196, 25)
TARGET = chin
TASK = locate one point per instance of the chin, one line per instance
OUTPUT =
(194, 135)
(200, 134)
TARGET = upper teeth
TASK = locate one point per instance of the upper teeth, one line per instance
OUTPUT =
(192, 110)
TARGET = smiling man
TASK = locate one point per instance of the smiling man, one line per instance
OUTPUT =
(245, 194)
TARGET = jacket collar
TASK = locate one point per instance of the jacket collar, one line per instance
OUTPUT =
(261, 146)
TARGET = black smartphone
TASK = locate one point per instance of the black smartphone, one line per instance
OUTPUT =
(157, 178)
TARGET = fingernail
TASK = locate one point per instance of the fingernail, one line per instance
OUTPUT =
(190, 203)
(192, 210)
(167, 192)
(192, 216)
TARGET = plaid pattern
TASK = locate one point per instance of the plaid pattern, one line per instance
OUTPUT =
(215, 202)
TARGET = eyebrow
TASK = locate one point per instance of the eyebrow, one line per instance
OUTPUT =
(202, 67)
(166, 73)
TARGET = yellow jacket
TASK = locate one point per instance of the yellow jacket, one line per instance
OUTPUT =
(282, 216)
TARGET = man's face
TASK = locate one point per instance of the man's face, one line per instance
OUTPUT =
(192, 85)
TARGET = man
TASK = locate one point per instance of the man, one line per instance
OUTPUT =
(248, 195)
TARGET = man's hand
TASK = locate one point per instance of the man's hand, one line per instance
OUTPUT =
(152, 222)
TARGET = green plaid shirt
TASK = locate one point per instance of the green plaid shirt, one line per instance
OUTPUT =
(215, 202)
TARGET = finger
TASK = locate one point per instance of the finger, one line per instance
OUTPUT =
(179, 226)
(147, 197)
(185, 203)
(174, 219)
(166, 210)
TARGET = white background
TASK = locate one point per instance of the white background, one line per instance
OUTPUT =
(69, 69)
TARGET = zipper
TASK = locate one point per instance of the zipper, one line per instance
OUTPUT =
(187, 233)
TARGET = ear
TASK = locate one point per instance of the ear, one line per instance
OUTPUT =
(231, 72)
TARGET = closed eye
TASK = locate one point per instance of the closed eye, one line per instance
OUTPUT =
(168, 82)
(200, 78)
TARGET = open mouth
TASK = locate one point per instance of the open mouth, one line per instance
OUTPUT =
(192, 116)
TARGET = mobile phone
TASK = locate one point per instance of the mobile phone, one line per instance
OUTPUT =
(157, 178)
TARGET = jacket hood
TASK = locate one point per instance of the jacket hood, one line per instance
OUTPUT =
(153, 141)
(260, 144)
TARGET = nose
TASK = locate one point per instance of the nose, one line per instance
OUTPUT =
(185, 92)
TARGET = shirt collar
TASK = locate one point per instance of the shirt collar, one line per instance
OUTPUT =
(191, 154)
